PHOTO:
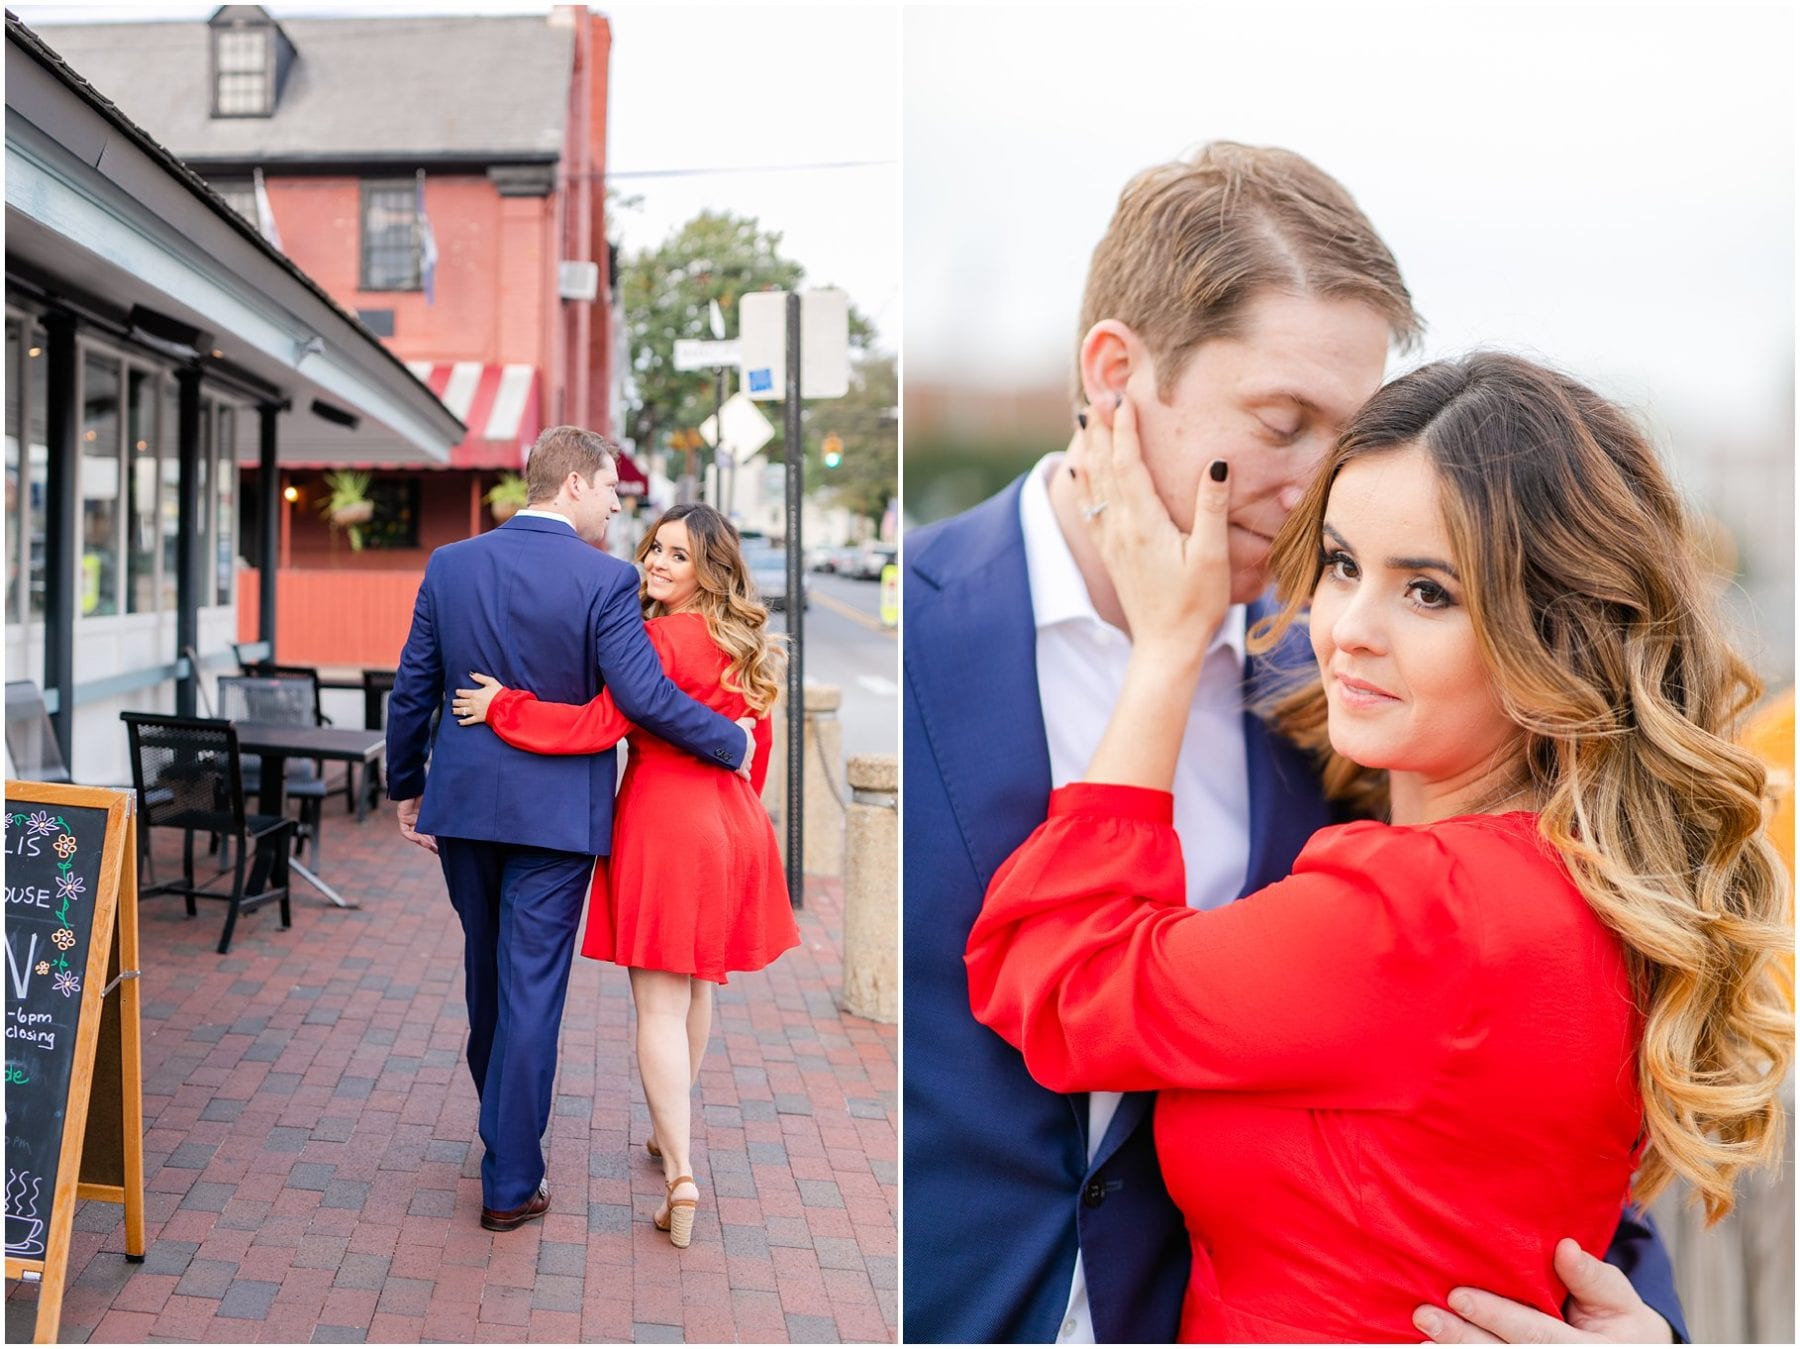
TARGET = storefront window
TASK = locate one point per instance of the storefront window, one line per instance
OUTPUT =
(171, 528)
(140, 519)
(101, 484)
(396, 520)
(37, 468)
(203, 502)
(226, 514)
(15, 480)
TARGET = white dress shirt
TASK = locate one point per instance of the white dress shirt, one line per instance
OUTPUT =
(544, 515)
(1081, 662)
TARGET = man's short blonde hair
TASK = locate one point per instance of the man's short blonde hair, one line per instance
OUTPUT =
(560, 451)
(1193, 240)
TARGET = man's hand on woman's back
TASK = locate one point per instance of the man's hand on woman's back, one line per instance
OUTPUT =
(1603, 1308)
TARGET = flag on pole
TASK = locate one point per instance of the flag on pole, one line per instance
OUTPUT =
(265, 213)
(428, 253)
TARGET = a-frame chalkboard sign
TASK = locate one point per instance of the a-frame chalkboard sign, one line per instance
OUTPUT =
(74, 1064)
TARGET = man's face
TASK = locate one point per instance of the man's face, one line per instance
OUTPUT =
(1269, 402)
(598, 504)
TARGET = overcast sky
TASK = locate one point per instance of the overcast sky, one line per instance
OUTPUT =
(718, 87)
(1612, 188)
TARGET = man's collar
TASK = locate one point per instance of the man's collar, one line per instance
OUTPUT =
(1058, 592)
(543, 515)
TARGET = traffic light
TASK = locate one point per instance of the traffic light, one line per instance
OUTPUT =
(832, 447)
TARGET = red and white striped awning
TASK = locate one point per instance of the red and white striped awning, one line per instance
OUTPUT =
(498, 403)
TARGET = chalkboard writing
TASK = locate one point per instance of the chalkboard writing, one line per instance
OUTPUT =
(53, 876)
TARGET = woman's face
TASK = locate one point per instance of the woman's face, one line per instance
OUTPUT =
(669, 567)
(1404, 681)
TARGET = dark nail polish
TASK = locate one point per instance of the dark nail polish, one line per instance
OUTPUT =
(1071, 470)
(1219, 469)
(1081, 420)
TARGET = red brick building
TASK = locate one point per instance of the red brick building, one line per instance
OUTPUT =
(443, 177)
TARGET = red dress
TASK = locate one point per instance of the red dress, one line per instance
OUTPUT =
(695, 883)
(1407, 1067)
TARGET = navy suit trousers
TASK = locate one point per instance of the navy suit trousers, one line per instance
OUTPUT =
(520, 908)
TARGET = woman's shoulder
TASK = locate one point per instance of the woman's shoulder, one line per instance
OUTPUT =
(1512, 833)
(684, 637)
(1495, 878)
(686, 630)
(1451, 859)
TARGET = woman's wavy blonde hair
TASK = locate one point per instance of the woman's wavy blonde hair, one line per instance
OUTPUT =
(1602, 640)
(736, 620)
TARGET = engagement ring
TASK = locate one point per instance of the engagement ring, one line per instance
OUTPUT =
(1089, 512)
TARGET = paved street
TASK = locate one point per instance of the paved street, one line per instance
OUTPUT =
(847, 646)
(312, 1168)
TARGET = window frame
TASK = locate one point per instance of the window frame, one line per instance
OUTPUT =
(86, 351)
(365, 280)
(267, 33)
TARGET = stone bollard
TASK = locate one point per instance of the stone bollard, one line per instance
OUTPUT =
(872, 889)
(824, 786)
(824, 749)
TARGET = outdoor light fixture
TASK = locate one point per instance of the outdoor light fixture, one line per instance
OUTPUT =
(168, 335)
(335, 415)
(35, 351)
(290, 493)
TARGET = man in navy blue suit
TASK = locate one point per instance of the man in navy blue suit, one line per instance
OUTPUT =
(1246, 306)
(537, 604)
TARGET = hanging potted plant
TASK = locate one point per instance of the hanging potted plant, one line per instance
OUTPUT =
(347, 504)
(507, 497)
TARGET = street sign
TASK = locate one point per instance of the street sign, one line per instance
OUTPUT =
(824, 344)
(692, 354)
(746, 429)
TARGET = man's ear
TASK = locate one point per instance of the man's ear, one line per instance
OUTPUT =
(1109, 353)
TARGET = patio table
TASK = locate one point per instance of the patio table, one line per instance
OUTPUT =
(275, 744)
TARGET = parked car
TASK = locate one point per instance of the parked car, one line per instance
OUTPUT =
(871, 559)
(768, 573)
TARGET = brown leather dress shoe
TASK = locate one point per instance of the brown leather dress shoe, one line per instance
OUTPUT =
(504, 1220)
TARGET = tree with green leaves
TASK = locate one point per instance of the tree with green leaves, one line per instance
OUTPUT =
(867, 421)
(664, 294)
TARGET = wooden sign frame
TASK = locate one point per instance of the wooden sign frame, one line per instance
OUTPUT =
(113, 947)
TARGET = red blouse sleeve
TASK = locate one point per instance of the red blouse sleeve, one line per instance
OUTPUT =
(523, 722)
(1343, 986)
(763, 738)
(518, 718)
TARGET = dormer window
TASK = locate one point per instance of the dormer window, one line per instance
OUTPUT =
(250, 60)
(243, 72)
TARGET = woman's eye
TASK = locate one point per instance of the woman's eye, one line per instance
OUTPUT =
(1430, 595)
(1340, 565)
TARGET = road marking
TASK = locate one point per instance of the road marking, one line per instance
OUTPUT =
(837, 606)
(875, 684)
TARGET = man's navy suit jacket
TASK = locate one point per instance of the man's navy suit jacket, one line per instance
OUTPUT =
(534, 606)
(999, 1190)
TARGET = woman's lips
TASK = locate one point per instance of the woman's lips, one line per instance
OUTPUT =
(1360, 693)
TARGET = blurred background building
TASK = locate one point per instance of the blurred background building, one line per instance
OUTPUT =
(153, 340)
(443, 178)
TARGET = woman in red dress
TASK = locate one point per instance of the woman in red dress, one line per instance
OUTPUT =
(694, 888)
(1540, 987)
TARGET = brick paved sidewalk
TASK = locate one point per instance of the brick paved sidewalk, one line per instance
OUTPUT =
(312, 1165)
